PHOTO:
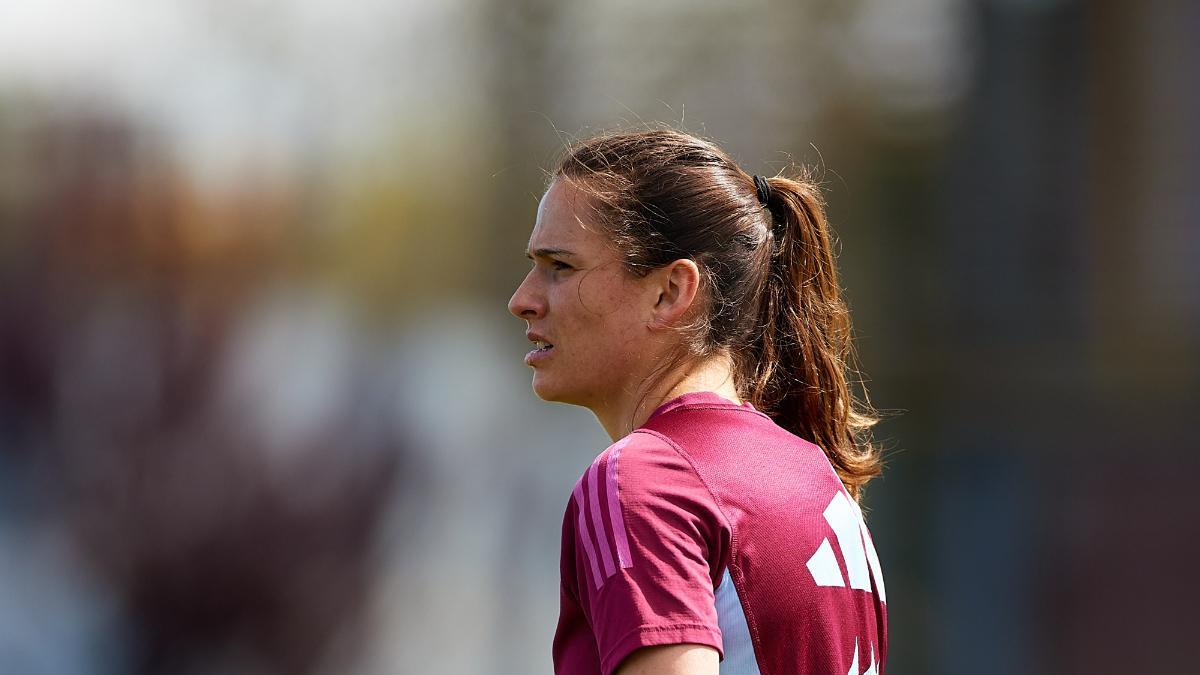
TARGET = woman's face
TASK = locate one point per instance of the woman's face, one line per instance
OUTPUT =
(580, 301)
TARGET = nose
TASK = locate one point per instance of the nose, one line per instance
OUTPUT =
(526, 302)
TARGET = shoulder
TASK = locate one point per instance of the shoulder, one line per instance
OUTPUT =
(644, 461)
(642, 442)
(644, 480)
(644, 484)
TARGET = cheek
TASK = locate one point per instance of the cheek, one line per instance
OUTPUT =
(612, 324)
(599, 320)
(610, 294)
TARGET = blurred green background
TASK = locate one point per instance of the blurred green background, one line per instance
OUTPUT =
(262, 409)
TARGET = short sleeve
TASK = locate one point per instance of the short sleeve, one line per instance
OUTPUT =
(650, 545)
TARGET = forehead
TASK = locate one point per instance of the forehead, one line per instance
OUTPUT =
(565, 221)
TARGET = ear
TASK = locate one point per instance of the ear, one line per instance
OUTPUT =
(676, 285)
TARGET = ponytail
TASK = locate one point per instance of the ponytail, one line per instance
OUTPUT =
(800, 359)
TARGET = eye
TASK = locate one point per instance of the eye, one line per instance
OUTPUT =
(559, 265)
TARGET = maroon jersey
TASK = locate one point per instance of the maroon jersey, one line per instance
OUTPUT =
(710, 524)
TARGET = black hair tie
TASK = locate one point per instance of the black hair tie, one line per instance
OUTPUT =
(763, 188)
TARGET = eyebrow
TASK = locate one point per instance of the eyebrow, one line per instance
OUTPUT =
(548, 253)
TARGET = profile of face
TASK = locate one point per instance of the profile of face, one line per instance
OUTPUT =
(592, 321)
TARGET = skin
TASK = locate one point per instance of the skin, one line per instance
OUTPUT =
(610, 329)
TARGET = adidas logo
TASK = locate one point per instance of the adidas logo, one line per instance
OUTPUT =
(872, 669)
(857, 549)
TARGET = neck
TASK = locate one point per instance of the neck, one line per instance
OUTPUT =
(713, 374)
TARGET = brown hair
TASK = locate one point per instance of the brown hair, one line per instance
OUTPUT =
(771, 293)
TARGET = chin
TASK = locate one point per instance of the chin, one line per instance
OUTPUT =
(548, 390)
(541, 388)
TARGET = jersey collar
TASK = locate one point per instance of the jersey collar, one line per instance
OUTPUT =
(707, 399)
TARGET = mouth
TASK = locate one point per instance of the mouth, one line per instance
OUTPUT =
(541, 351)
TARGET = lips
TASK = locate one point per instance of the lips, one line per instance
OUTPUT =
(542, 350)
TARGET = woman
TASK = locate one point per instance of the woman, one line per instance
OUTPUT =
(696, 311)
